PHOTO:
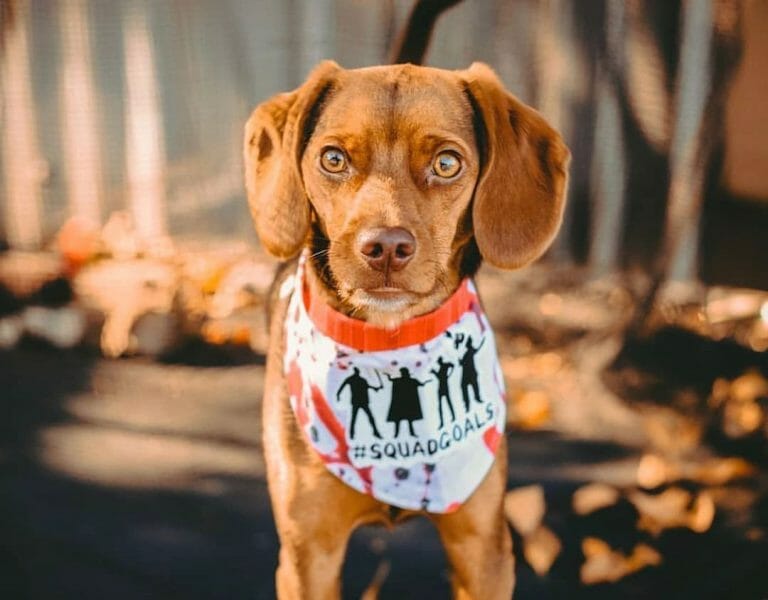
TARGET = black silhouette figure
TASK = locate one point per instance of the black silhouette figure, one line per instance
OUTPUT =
(469, 373)
(458, 339)
(406, 405)
(442, 374)
(358, 390)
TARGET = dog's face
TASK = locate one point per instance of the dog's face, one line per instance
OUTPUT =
(396, 176)
(390, 186)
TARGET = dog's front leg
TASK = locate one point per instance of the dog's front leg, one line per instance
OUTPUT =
(315, 512)
(311, 553)
(477, 540)
(314, 522)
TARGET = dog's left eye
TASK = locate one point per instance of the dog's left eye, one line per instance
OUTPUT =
(446, 165)
(333, 160)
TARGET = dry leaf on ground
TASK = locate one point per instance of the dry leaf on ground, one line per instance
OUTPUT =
(653, 471)
(605, 565)
(592, 546)
(661, 511)
(594, 496)
(702, 513)
(541, 548)
(742, 418)
(749, 387)
(673, 508)
(524, 508)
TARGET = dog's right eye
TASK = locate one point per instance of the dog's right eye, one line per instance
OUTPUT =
(333, 160)
(446, 165)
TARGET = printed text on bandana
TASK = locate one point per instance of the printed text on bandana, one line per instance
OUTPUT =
(424, 449)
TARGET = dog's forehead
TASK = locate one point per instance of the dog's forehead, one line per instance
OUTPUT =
(398, 100)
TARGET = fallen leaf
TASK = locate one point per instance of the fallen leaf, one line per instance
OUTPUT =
(741, 418)
(643, 556)
(524, 508)
(541, 548)
(661, 511)
(702, 513)
(592, 546)
(749, 387)
(594, 496)
(605, 565)
(671, 509)
(721, 389)
(654, 471)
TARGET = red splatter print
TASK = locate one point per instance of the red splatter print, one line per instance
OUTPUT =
(295, 389)
(341, 454)
(491, 437)
(500, 386)
(366, 474)
(474, 306)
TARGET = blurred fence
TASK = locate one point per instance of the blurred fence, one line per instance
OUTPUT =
(140, 104)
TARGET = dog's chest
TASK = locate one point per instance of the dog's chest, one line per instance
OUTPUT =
(415, 426)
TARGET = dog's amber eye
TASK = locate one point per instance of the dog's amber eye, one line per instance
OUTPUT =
(446, 165)
(333, 160)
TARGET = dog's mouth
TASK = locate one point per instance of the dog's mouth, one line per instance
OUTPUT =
(387, 290)
(384, 298)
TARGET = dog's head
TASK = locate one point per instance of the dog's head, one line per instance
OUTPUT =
(399, 178)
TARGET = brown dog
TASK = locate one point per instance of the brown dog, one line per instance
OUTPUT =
(399, 180)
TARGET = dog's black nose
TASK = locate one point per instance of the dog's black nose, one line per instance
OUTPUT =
(387, 248)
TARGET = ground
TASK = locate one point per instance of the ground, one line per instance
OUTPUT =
(144, 478)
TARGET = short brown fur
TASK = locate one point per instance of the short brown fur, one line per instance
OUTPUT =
(507, 201)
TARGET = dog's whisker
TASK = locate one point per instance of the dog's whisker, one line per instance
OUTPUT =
(319, 253)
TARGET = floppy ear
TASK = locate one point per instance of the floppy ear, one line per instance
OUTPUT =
(275, 137)
(520, 194)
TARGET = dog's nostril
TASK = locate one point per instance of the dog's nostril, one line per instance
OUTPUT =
(372, 249)
(404, 250)
(387, 248)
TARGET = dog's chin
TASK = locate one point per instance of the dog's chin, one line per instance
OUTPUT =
(388, 307)
(384, 306)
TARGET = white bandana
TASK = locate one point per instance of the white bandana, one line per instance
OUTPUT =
(412, 417)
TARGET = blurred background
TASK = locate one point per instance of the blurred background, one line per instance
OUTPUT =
(635, 352)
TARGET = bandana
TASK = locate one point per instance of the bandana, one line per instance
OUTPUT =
(411, 416)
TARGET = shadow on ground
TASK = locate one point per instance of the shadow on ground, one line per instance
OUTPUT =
(134, 479)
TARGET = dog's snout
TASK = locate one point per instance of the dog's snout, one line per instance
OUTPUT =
(387, 248)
